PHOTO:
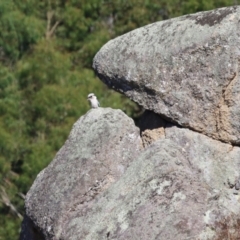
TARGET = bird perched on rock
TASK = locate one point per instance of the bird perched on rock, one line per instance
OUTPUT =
(93, 100)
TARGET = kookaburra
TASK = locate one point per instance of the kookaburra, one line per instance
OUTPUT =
(93, 100)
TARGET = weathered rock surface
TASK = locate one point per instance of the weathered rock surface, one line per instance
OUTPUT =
(185, 69)
(181, 187)
(185, 186)
(97, 152)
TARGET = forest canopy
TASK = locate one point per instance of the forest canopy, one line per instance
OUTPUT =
(46, 52)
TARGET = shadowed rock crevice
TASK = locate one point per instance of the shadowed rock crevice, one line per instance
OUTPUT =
(31, 231)
(152, 127)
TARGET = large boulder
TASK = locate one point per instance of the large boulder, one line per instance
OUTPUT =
(185, 69)
(103, 184)
(181, 187)
(98, 151)
(184, 186)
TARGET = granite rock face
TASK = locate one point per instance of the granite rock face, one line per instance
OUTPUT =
(185, 69)
(175, 177)
(97, 152)
(183, 186)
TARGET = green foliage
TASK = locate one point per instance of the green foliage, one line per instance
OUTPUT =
(46, 52)
(17, 31)
(9, 228)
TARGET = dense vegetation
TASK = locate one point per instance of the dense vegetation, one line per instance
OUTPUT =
(46, 52)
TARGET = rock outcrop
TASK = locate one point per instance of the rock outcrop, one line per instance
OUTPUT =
(178, 176)
(97, 152)
(185, 69)
(178, 188)
(184, 186)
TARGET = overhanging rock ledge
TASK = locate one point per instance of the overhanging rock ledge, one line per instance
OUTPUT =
(185, 69)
